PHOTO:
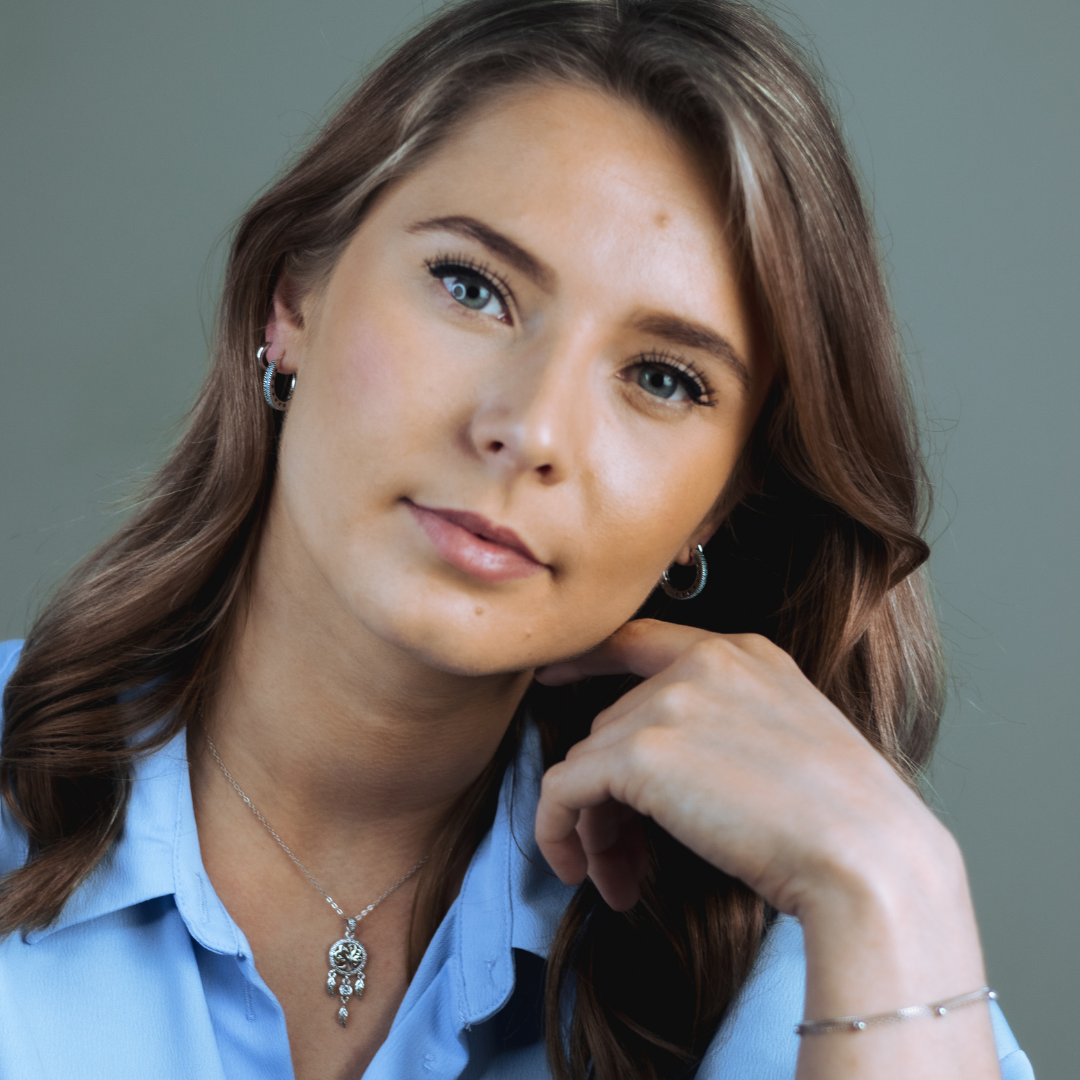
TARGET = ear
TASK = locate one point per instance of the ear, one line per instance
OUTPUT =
(704, 534)
(284, 325)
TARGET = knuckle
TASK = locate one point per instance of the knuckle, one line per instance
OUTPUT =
(760, 646)
(751, 642)
(709, 657)
(676, 700)
(649, 745)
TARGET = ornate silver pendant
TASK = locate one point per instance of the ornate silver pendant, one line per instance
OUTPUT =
(347, 959)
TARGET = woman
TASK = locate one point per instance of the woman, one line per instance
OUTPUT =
(570, 293)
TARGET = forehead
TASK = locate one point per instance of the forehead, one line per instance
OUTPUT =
(563, 161)
(623, 221)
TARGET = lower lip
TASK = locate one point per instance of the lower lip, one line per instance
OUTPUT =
(470, 553)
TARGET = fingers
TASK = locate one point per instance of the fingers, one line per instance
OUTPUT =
(582, 831)
(557, 817)
(643, 647)
(716, 718)
(618, 872)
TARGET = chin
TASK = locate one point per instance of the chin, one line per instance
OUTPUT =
(454, 628)
(472, 652)
(446, 633)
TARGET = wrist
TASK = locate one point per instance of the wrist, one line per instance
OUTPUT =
(880, 871)
(891, 925)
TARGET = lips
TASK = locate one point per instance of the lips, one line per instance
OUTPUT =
(475, 545)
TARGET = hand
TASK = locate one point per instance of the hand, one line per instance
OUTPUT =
(734, 752)
(730, 748)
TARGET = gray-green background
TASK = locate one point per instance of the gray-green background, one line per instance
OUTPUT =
(134, 131)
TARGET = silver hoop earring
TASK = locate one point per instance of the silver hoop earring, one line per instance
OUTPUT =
(269, 386)
(702, 568)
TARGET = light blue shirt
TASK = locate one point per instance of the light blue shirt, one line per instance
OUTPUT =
(146, 975)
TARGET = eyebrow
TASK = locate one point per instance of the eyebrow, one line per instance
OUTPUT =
(672, 328)
(692, 335)
(498, 244)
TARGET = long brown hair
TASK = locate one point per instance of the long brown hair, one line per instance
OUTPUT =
(821, 553)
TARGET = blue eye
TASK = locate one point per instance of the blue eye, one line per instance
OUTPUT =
(659, 381)
(471, 288)
(671, 379)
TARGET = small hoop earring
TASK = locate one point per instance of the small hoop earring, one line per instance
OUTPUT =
(702, 568)
(268, 384)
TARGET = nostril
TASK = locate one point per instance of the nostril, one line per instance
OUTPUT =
(495, 446)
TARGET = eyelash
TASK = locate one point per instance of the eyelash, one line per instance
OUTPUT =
(692, 377)
(444, 265)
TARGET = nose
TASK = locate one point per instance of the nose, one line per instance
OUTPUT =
(532, 417)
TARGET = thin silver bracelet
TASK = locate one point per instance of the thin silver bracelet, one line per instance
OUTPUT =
(912, 1012)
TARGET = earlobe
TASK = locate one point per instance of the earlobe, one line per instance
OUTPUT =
(687, 554)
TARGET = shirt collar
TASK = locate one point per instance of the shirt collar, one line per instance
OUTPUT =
(509, 899)
(537, 897)
(156, 854)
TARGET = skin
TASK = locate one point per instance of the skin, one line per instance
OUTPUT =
(371, 675)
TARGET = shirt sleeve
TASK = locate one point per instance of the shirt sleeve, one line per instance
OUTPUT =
(1014, 1062)
(12, 839)
(757, 1039)
(9, 657)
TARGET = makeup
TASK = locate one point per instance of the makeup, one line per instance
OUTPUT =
(476, 546)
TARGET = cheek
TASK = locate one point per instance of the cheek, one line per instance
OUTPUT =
(347, 426)
(371, 398)
(367, 389)
(649, 498)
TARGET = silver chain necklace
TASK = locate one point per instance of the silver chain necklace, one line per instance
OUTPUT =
(348, 957)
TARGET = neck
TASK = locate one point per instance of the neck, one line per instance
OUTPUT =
(336, 734)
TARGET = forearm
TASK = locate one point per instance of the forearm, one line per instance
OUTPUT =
(902, 934)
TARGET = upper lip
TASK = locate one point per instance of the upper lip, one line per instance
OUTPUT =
(486, 530)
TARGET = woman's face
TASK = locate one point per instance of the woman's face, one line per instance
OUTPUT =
(521, 391)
